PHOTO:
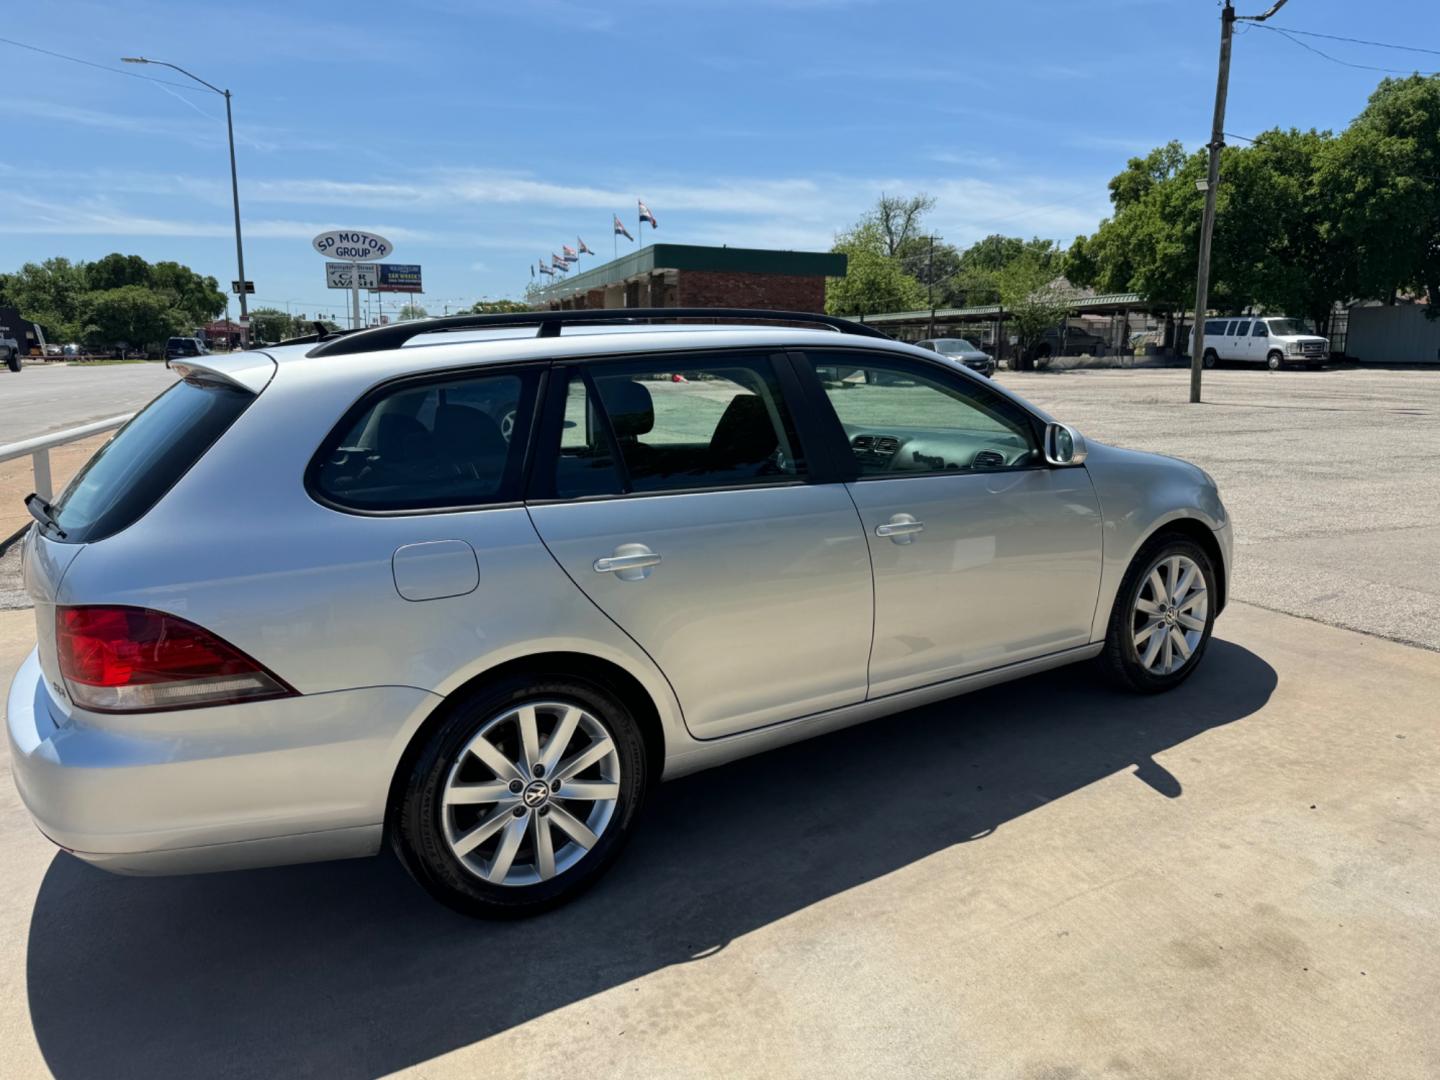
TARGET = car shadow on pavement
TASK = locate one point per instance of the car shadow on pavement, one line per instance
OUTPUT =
(350, 970)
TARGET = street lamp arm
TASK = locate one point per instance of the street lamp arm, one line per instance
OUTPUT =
(1261, 18)
(182, 71)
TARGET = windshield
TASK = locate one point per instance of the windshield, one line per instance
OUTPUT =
(954, 346)
(1287, 326)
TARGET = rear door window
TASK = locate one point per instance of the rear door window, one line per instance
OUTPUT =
(146, 457)
(637, 427)
(428, 446)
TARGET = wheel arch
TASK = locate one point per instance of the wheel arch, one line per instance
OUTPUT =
(1195, 530)
(585, 666)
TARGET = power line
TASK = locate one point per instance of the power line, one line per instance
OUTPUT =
(1336, 60)
(1355, 41)
(91, 63)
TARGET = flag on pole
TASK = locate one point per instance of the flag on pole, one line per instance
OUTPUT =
(546, 270)
(620, 229)
(570, 254)
(558, 263)
(532, 271)
(646, 215)
(583, 249)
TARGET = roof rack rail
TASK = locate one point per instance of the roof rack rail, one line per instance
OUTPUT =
(548, 324)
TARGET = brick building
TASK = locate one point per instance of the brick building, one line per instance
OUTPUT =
(687, 275)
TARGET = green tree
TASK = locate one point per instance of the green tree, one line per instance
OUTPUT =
(115, 271)
(499, 307)
(197, 297)
(271, 324)
(1276, 246)
(1150, 245)
(50, 293)
(131, 316)
(977, 278)
(874, 280)
(1383, 180)
(1035, 298)
(412, 311)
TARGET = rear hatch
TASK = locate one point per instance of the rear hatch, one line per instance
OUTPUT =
(129, 475)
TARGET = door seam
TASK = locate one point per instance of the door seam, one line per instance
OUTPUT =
(874, 594)
(629, 637)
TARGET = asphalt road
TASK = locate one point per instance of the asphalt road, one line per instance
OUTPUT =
(52, 397)
(1044, 880)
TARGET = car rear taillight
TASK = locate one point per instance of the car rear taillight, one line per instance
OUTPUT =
(130, 659)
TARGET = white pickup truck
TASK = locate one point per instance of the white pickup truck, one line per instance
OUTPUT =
(1272, 340)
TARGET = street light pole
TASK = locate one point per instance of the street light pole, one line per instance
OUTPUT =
(1212, 185)
(234, 177)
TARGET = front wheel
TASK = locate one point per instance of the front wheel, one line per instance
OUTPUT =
(1163, 616)
(1274, 361)
(522, 796)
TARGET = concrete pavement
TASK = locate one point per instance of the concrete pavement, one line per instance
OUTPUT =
(1330, 476)
(1044, 880)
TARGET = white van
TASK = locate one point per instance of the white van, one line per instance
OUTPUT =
(1272, 340)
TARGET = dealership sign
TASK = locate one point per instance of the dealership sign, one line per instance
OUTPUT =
(344, 275)
(352, 244)
(398, 277)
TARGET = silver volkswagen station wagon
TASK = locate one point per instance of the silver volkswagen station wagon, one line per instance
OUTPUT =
(471, 586)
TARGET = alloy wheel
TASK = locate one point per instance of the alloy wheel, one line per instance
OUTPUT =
(1170, 615)
(531, 793)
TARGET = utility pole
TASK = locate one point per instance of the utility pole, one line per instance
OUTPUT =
(930, 284)
(1228, 19)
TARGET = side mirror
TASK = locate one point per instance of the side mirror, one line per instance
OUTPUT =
(1064, 445)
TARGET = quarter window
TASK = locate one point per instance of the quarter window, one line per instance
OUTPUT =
(1215, 327)
(429, 446)
(901, 419)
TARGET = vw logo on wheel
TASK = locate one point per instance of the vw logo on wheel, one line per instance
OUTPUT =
(536, 793)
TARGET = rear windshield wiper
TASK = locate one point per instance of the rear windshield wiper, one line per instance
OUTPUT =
(44, 513)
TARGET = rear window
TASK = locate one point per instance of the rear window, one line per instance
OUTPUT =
(130, 473)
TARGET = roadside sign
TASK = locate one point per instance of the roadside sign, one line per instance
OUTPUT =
(235, 286)
(343, 275)
(352, 244)
(399, 277)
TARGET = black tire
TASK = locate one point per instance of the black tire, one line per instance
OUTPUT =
(13, 362)
(1275, 361)
(1121, 660)
(1210, 359)
(415, 827)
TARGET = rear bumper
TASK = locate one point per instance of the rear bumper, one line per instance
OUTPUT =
(293, 780)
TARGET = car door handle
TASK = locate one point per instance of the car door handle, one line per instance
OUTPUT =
(629, 562)
(901, 528)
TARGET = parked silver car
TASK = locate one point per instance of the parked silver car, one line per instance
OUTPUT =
(475, 595)
(961, 351)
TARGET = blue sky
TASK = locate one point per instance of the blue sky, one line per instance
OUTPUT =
(481, 136)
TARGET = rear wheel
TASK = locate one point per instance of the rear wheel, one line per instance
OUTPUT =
(1210, 359)
(522, 797)
(1274, 361)
(1163, 616)
(12, 360)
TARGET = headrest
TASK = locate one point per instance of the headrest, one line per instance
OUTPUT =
(465, 430)
(632, 413)
(401, 438)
